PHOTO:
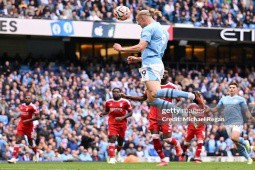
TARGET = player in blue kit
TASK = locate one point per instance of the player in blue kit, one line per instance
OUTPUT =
(233, 106)
(152, 45)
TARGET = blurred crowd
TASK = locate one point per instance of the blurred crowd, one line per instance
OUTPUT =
(208, 13)
(70, 97)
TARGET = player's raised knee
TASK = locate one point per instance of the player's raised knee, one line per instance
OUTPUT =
(154, 94)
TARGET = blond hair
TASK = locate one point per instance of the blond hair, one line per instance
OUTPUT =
(151, 12)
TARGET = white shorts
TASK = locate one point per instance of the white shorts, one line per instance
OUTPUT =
(231, 128)
(152, 72)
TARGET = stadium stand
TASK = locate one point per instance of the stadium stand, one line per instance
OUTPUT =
(71, 96)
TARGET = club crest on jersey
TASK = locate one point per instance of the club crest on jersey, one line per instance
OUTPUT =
(121, 104)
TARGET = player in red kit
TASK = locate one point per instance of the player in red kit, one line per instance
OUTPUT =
(118, 110)
(28, 113)
(196, 127)
(156, 125)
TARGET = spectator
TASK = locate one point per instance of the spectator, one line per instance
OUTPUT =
(167, 150)
(84, 156)
(95, 156)
(139, 152)
(66, 156)
(131, 150)
(49, 154)
(221, 143)
(3, 117)
(57, 156)
(70, 123)
(221, 152)
(211, 145)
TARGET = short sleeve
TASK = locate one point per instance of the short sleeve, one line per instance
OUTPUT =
(107, 107)
(243, 104)
(128, 106)
(146, 35)
(35, 109)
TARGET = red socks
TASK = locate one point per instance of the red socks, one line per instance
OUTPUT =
(198, 150)
(158, 148)
(16, 151)
(34, 149)
(111, 150)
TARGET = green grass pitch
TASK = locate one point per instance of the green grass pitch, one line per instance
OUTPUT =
(125, 166)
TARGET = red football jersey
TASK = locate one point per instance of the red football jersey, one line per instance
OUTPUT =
(117, 108)
(197, 116)
(154, 111)
(27, 112)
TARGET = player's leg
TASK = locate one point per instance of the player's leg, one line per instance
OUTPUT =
(200, 135)
(188, 137)
(152, 76)
(113, 134)
(152, 87)
(185, 147)
(118, 147)
(157, 144)
(111, 149)
(120, 143)
(120, 140)
(200, 143)
(167, 137)
(15, 154)
(234, 132)
(155, 73)
(31, 142)
(173, 93)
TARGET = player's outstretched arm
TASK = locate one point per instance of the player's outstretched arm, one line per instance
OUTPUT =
(103, 114)
(118, 119)
(213, 110)
(133, 59)
(36, 117)
(132, 49)
(135, 98)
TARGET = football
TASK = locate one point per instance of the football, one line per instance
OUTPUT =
(121, 13)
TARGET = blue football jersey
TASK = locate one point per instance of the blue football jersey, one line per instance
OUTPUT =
(157, 39)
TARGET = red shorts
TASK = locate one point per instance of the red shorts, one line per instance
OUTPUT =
(199, 132)
(117, 130)
(25, 130)
(164, 127)
(156, 123)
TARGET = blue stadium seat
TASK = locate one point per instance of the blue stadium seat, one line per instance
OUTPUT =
(252, 26)
(197, 24)
(245, 26)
